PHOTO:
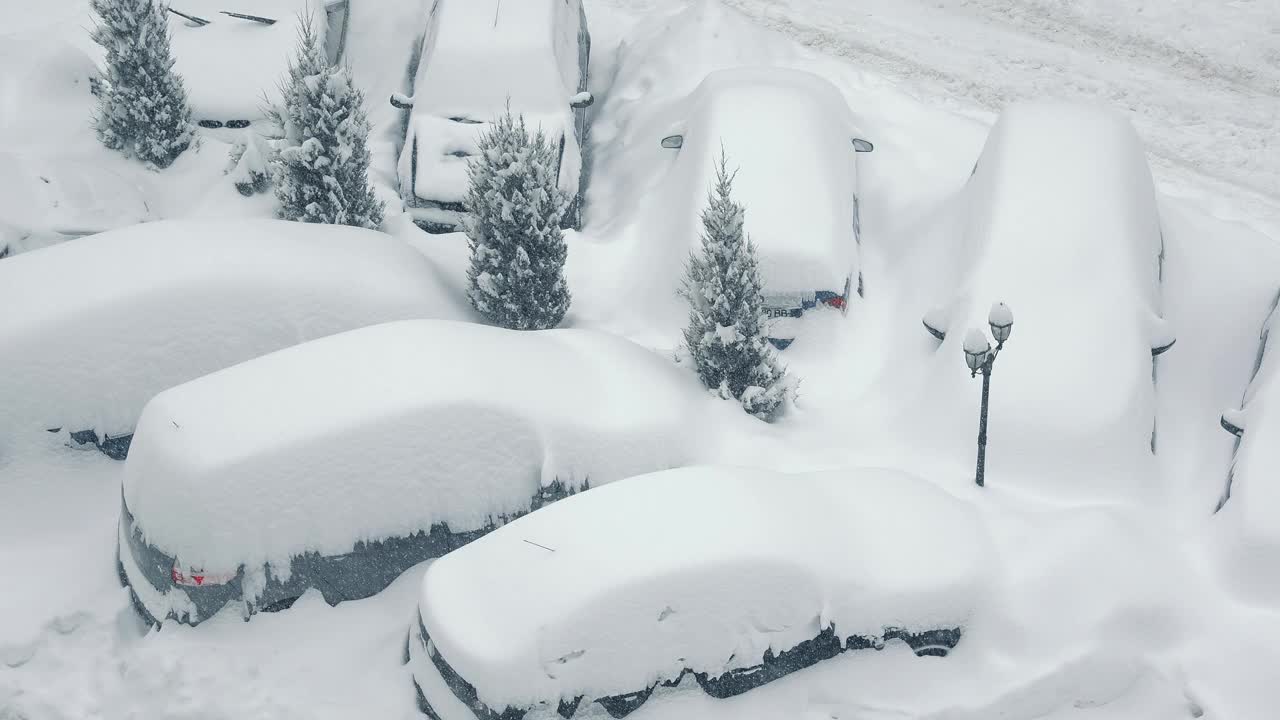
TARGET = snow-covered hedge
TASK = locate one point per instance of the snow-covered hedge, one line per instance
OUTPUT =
(704, 568)
(386, 431)
(93, 328)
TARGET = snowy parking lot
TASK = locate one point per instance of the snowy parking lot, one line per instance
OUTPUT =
(1108, 595)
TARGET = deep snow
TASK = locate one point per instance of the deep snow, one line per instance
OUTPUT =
(1105, 613)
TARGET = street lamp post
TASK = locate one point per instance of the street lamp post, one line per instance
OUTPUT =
(981, 357)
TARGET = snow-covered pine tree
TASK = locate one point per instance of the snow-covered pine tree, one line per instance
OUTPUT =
(142, 104)
(516, 278)
(726, 333)
(321, 170)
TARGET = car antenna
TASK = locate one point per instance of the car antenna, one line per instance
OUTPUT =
(255, 18)
(199, 21)
(496, 6)
(544, 547)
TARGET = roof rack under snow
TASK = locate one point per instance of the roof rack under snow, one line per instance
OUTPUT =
(385, 431)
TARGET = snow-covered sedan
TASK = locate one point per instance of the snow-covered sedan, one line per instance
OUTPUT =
(338, 464)
(232, 54)
(1246, 515)
(478, 59)
(735, 576)
(101, 324)
(1061, 225)
(793, 142)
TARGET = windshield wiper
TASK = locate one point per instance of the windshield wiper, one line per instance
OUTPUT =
(255, 18)
(199, 21)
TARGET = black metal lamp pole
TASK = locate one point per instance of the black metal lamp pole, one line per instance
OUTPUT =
(981, 357)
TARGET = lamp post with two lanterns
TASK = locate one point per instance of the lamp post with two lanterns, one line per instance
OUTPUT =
(981, 357)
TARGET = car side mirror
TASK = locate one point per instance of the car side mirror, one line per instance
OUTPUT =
(1233, 422)
(401, 101)
(673, 142)
(860, 145)
(581, 100)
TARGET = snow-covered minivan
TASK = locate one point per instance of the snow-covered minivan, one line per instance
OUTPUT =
(734, 576)
(340, 463)
(793, 144)
(478, 59)
(101, 324)
(1060, 223)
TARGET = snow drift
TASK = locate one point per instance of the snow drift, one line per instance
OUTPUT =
(386, 431)
(97, 326)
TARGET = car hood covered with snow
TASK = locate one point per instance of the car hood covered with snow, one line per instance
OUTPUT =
(788, 136)
(385, 431)
(702, 568)
(231, 66)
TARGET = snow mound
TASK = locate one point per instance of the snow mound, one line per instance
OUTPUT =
(95, 327)
(702, 568)
(385, 431)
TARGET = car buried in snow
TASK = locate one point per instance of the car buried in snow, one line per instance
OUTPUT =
(750, 575)
(338, 464)
(479, 58)
(1060, 223)
(233, 54)
(108, 321)
(792, 143)
(1245, 516)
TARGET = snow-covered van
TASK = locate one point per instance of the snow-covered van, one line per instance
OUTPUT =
(479, 58)
(340, 463)
(735, 576)
(232, 54)
(1246, 516)
(1060, 224)
(793, 143)
(99, 325)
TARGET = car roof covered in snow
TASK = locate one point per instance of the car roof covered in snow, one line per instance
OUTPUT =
(702, 568)
(100, 324)
(230, 66)
(1062, 226)
(385, 431)
(788, 136)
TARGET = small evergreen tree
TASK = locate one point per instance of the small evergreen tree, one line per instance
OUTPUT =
(516, 278)
(142, 105)
(726, 333)
(321, 170)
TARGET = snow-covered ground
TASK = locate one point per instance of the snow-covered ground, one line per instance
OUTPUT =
(1098, 612)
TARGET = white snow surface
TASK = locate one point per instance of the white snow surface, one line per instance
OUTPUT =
(1060, 223)
(384, 431)
(702, 567)
(108, 321)
(232, 65)
(787, 136)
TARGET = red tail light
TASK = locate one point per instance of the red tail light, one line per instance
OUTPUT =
(198, 578)
(836, 302)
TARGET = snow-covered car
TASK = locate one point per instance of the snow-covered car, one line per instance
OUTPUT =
(232, 54)
(792, 141)
(51, 199)
(735, 576)
(338, 464)
(478, 59)
(1061, 225)
(98, 326)
(1246, 513)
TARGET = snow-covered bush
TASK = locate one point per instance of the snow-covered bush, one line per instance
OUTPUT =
(321, 171)
(142, 104)
(247, 165)
(727, 336)
(516, 278)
